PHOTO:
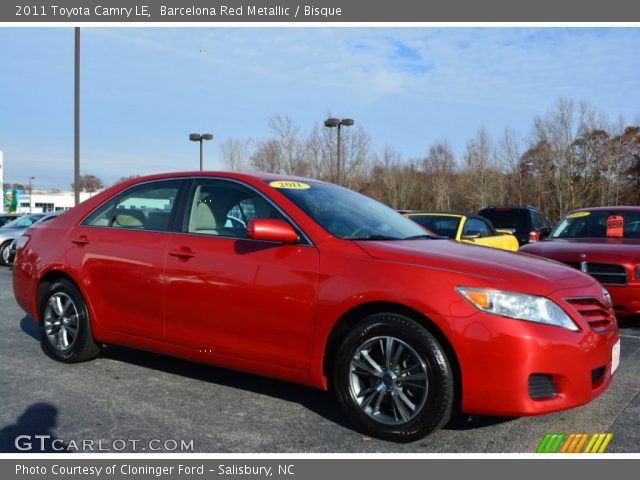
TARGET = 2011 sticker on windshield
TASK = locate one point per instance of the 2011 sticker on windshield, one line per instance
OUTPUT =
(289, 184)
(579, 214)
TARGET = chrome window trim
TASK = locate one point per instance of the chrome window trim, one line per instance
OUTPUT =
(305, 239)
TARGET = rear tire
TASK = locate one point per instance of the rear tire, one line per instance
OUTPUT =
(393, 379)
(4, 253)
(65, 326)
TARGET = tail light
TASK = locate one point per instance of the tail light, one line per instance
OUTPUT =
(534, 236)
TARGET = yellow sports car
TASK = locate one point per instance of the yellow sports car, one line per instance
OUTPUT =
(465, 227)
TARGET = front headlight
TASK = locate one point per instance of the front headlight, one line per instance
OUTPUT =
(607, 296)
(519, 306)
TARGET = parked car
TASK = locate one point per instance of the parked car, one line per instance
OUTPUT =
(465, 227)
(13, 246)
(324, 287)
(7, 217)
(12, 230)
(528, 224)
(605, 243)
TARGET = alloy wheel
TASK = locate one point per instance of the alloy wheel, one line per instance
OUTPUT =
(61, 321)
(389, 380)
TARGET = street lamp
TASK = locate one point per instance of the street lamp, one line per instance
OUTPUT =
(30, 193)
(199, 137)
(335, 122)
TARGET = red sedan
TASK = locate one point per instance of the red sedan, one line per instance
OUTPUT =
(605, 243)
(313, 283)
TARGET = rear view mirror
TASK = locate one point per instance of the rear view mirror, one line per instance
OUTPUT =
(271, 230)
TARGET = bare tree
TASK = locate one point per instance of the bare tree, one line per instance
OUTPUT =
(235, 154)
(89, 183)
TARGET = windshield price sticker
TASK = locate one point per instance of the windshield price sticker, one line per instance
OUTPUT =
(289, 184)
(615, 226)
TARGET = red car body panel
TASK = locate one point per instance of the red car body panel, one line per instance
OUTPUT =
(270, 309)
(618, 251)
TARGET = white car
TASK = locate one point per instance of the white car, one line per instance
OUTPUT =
(12, 230)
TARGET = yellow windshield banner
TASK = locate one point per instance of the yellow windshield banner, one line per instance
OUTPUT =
(579, 214)
(289, 184)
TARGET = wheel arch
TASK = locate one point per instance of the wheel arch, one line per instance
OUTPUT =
(50, 276)
(359, 312)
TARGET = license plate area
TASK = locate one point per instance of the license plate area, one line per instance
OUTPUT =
(615, 357)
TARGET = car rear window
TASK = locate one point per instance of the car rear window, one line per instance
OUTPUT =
(517, 219)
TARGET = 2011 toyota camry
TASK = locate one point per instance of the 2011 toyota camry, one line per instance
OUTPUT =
(313, 283)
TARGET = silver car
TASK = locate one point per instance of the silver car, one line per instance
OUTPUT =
(12, 230)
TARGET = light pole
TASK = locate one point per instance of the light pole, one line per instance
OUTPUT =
(335, 122)
(199, 137)
(76, 118)
(31, 192)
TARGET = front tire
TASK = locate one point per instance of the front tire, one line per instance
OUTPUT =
(393, 378)
(65, 327)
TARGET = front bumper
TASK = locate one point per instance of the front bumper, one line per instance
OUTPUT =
(626, 299)
(499, 355)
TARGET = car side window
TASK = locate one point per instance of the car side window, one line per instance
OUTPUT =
(224, 208)
(143, 207)
(475, 227)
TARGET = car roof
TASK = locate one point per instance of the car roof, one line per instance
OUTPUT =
(622, 208)
(511, 207)
(220, 173)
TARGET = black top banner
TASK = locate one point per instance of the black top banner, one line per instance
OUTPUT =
(233, 11)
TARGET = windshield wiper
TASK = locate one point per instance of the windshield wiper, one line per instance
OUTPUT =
(419, 237)
(373, 237)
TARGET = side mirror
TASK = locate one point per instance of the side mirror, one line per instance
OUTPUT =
(504, 232)
(271, 230)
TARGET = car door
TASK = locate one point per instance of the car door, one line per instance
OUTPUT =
(234, 296)
(119, 252)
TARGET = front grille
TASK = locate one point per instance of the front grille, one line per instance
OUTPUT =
(596, 375)
(541, 386)
(599, 317)
(606, 273)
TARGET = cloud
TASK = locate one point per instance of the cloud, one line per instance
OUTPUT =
(145, 89)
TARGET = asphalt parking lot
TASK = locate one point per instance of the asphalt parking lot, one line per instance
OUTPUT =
(150, 401)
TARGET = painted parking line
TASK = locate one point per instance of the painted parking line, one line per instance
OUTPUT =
(630, 336)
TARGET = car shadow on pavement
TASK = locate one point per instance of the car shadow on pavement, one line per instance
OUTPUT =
(471, 422)
(320, 402)
(33, 431)
(629, 322)
(28, 325)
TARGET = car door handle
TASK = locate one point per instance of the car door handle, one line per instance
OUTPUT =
(183, 253)
(81, 240)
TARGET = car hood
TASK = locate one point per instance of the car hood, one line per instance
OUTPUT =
(484, 266)
(595, 249)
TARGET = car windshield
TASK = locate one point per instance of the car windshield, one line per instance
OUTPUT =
(347, 214)
(599, 224)
(23, 222)
(516, 219)
(442, 225)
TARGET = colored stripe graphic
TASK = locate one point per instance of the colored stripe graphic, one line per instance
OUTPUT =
(574, 443)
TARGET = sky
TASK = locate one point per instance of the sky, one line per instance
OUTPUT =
(143, 90)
